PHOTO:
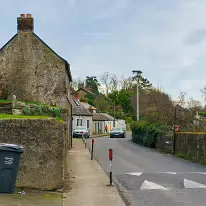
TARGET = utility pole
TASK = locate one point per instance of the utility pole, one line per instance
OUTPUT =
(174, 140)
(137, 99)
(136, 77)
(114, 115)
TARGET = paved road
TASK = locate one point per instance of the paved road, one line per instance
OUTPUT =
(150, 178)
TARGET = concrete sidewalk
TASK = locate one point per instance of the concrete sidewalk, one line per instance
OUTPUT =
(88, 181)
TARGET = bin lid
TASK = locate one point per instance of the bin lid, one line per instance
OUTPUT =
(11, 146)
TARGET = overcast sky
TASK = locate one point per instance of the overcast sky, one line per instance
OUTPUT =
(166, 39)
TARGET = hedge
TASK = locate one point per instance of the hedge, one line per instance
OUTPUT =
(202, 114)
(145, 133)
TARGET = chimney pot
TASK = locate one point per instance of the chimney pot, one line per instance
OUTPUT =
(29, 15)
(25, 22)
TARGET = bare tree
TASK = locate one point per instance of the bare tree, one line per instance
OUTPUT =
(113, 82)
(194, 105)
(155, 106)
(76, 82)
(105, 79)
(203, 91)
(127, 83)
(181, 99)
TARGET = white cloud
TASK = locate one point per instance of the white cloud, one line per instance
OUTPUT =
(165, 38)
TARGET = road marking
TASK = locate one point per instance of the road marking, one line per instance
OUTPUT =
(202, 173)
(189, 184)
(151, 186)
(135, 173)
(171, 173)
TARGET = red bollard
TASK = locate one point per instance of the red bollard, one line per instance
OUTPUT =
(110, 173)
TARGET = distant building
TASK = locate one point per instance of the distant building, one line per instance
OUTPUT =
(82, 92)
(85, 114)
(89, 107)
(81, 115)
(100, 121)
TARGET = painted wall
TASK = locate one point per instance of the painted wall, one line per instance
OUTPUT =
(121, 123)
(110, 125)
(98, 127)
(83, 119)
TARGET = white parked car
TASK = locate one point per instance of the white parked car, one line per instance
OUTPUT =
(81, 130)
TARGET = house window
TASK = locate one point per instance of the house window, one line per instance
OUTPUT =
(81, 122)
(95, 127)
(87, 124)
(77, 122)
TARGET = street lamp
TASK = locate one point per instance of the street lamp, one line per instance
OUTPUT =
(137, 72)
(137, 100)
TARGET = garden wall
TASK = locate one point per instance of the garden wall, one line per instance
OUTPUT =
(43, 164)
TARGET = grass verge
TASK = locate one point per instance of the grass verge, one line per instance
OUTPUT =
(10, 116)
(5, 101)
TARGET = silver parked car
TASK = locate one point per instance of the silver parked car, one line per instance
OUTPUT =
(81, 130)
(117, 132)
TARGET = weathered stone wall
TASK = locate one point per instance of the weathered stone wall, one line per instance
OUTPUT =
(67, 117)
(32, 72)
(43, 164)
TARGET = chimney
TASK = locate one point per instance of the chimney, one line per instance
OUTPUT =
(25, 23)
(81, 86)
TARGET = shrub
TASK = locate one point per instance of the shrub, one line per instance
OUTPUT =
(54, 112)
(57, 112)
(128, 120)
(27, 110)
(38, 109)
(51, 111)
(202, 114)
(146, 134)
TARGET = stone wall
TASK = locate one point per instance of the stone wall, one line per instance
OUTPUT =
(33, 72)
(43, 164)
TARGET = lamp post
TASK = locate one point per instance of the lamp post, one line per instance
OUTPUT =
(137, 99)
(137, 75)
(174, 131)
